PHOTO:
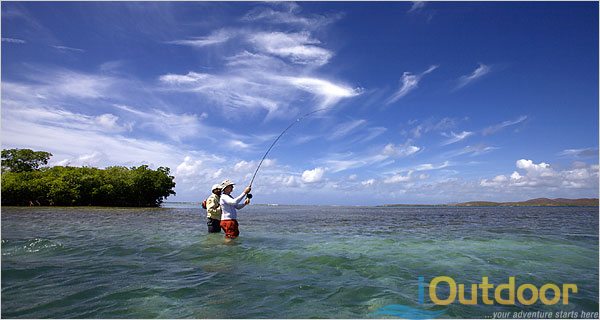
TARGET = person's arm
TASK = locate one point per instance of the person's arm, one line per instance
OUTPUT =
(235, 201)
(240, 205)
(232, 201)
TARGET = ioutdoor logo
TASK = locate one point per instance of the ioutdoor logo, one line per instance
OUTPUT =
(504, 293)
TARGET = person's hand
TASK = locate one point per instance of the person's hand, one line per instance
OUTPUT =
(247, 190)
(247, 201)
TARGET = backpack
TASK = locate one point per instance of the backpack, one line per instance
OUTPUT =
(204, 204)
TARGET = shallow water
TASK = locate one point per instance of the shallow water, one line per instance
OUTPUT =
(290, 261)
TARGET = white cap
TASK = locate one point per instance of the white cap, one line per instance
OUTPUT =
(216, 186)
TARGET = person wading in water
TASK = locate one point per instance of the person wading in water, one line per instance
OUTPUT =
(229, 207)
(213, 210)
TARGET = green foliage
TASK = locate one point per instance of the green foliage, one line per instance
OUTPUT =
(23, 160)
(74, 186)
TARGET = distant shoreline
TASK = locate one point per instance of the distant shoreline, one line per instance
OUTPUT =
(538, 202)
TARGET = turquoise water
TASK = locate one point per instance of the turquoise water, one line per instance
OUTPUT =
(290, 261)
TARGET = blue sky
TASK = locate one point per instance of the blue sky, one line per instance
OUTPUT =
(425, 102)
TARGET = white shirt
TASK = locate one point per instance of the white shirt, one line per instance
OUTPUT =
(230, 204)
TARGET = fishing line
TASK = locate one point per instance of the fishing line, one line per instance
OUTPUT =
(274, 142)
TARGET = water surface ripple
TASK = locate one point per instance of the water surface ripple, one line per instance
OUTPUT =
(290, 261)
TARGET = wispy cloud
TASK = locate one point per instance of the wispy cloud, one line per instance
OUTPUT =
(417, 6)
(60, 83)
(495, 128)
(380, 156)
(430, 166)
(263, 90)
(59, 117)
(328, 92)
(269, 71)
(404, 150)
(72, 142)
(580, 153)
(456, 137)
(299, 47)
(409, 83)
(481, 71)
(430, 125)
(472, 150)
(64, 48)
(341, 162)
(174, 126)
(343, 129)
(410, 174)
(13, 40)
(289, 13)
(217, 37)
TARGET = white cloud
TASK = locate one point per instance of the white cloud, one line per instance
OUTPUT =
(470, 150)
(314, 175)
(542, 169)
(409, 83)
(107, 122)
(56, 85)
(64, 48)
(544, 177)
(73, 143)
(328, 92)
(243, 166)
(13, 40)
(246, 60)
(259, 89)
(340, 162)
(481, 70)
(299, 48)
(217, 37)
(368, 183)
(290, 15)
(75, 84)
(456, 137)
(174, 126)
(430, 166)
(495, 128)
(580, 153)
(190, 77)
(397, 178)
(237, 144)
(343, 129)
(431, 125)
(400, 150)
(189, 167)
(337, 165)
(242, 91)
(289, 181)
(269, 71)
(372, 133)
(417, 6)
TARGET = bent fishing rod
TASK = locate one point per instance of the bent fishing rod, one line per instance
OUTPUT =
(274, 142)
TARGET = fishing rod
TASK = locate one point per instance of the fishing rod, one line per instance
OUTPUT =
(274, 142)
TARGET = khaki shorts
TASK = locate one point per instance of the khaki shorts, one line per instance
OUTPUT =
(231, 228)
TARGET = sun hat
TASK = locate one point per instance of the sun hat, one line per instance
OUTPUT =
(216, 186)
(226, 183)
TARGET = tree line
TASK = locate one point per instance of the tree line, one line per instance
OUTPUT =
(26, 182)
